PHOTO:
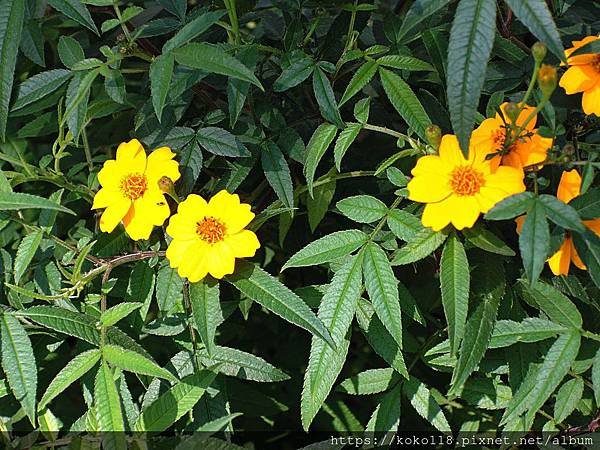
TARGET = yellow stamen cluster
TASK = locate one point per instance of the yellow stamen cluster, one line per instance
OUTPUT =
(211, 230)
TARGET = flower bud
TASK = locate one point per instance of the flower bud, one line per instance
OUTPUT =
(433, 133)
(568, 149)
(512, 111)
(539, 50)
(547, 79)
(166, 185)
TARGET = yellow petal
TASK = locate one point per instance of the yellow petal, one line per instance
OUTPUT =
(160, 164)
(182, 227)
(132, 156)
(192, 264)
(503, 183)
(569, 186)
(105, 197)
(220, 260)
(243, 244)
(149, 210)
(429, 188)
(450, 151)
(578, 79)
(115, 212)
(523, 116)
(462, 212)
(559, 262)
(580, 59)
(227, 208)
(111, 175)
(591, 100)
(194, 207)
(484, 136)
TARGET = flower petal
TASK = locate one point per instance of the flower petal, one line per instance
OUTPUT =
(578, 79)
(569, 186)
(559, 262)
(243, 244)
(160, 164)
(462, 212)
(114, 213)
(591, 100)
(149, 210)
(105, 197)
(131, 155)
(227, 208)
(450, 152)
(219, 260)
(429, 188)
(111, 174)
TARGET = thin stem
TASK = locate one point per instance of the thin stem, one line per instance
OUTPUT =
(386, 130)
(233, 19)
(86, 149)
(123, 26)
(187, 304)
(532, 83)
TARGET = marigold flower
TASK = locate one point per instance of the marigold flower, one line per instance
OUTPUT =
(457, 190)
(209, 236)
(583, 75)
(130, 190)
(560, 263)
(527, 149)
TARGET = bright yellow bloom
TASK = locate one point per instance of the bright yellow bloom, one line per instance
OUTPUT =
(528, 149)
(130, 190)
(208, 237)
(583, 75)
(560, 263)
(457, 190)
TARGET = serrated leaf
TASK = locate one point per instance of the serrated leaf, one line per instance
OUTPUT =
(403, 224)
(469, 49)
(192, 29)
(318, 144)
(326, 98)
(78, 93)
(39, 86)
(295, 74)
(422, 245)
(418, 12)
(534, 241)
(362, 208)
(402, 62)
(486, 240)
(107, 408)
(588, 248)
(531, 329)
(596, 376)
(369, 382)
(386, 416)
(421, 399)
(237, 363)
(12, 14)
(174, 403)
(221, 142)
(588, 204)
(115, 313)
(18, 363)
(455, 283)
(213, 59)
(404, 100)
(324, 363)
(511, 207)
(169, 288)
(318, 204)
(382, 286)
(25, 253)
(206, 309)
(561, 214)
(75, 369)
(76, 10)
(131, 361)
(558, 307)
(359, 80)
(277, 172)
(536, 16)
(328, 248)
(161, 72)
(344, 141)
(266, 290)
(567, 398)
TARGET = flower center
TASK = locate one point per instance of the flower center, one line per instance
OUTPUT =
(134, 185)
(211, 230)
(465, 180)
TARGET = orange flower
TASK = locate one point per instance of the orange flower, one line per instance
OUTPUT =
(527, 149)
(583, 75)
(568, 188)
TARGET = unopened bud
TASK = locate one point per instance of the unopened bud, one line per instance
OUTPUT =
(539, 51)
(512, 111)
(547, 79)
(433, 133)
(166, 185)
(568, 149)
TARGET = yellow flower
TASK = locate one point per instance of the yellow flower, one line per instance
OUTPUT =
(568, 188)
(130, 190)
(528, 149)
(207, 237)
(457, 190)
(583, 75)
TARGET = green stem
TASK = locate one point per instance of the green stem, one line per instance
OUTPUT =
(123, 26)
(187, 304)
(532, 83)
(86, 149)
(233, 19)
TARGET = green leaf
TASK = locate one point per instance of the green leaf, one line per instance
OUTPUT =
(484, 239)
(469, 49)
(107, 406)
(213, 59)
(511, 207)
(328, 248)
(567, 398)
(12, 13)
(531, 329)
(403, 224)
(18, 363)
(421, 399)
(277, 172)
(369, 382)
(386, 416)
(557, 306)
(192, 29)
(324, 363)
(206, 309)
(344, 141)
(405, 101)
(422, 245)
(326, 98)
(75, 369)
(454, 281)
(32, 42)
(478, 332)
(39, 86)
(236, 363)
(418, 12)
(114, 314)
(175, 7)
(536, 16)
(382, 287)
(588, 204)
(359, 80)
(588, 248)
(134, 362)
(402, 62)
(78, 93)
(561, 214)
(221, 142)
(362, 109)
(269, 292)
(596, 376)
(318, 204)
(534, 241)
(174, 403)
(25, 253)
(161, 72)
(295, 74)
(76, 10)
(362, 208)
(169, 288)
(318, 144)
